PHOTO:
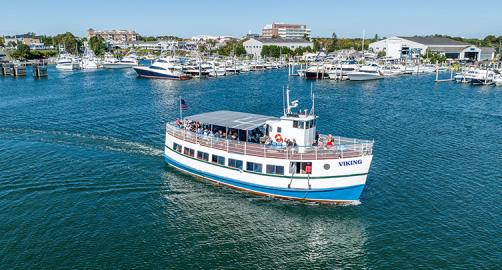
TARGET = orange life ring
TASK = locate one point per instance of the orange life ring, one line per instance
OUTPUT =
(278, 138)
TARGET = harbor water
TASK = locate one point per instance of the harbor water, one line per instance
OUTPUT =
(83, 183)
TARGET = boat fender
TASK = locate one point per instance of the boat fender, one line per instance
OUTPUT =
(278, 138)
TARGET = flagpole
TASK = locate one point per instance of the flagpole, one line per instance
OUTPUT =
(181, 111)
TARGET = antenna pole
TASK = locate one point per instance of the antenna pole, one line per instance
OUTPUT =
(288, 110)
(283, 101)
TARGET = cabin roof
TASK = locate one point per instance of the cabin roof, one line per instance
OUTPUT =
(231, 119)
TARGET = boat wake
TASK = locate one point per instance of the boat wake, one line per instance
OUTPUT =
(99, 142)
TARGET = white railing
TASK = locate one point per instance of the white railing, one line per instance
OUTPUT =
(342, 148)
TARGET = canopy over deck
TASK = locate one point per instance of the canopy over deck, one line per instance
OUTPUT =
(231, 119)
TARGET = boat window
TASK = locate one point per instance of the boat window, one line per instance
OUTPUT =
(203, 155)
(279, 129)
(301, 125)
(254, 167)
(273, 169)
(234, 163)
(218, 159)
(189, 152)
(177, 147)
(295, 124)
(156, 67)
(301, 167)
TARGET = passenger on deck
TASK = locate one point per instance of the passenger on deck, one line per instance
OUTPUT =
(329, 141)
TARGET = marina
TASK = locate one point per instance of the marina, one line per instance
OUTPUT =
(214, 135)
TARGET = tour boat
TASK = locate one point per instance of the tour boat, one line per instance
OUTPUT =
(163, 68)
(282, 157)
(366, 73)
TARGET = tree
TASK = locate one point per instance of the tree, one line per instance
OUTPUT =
(69, 41)
(145, 38)
(2, 41)
(22, 51)
(240, 50)
(232, 47)
(97, 45)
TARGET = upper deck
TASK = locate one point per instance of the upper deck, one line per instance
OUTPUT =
(341, 148)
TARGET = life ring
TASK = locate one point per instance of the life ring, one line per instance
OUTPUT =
(278, 138)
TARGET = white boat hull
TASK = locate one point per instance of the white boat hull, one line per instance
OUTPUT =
(363, 76)
(118, 65)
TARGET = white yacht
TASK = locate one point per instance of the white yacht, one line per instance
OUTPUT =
(127, 61)
(67, 62)
(366, 73)
(163, 68)
(498, 80)
(89, 60)
(392, 70)
(339, 71)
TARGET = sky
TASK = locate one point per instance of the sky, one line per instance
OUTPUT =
(471, 19)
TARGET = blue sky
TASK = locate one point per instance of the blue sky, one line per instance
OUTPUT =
(225, 17)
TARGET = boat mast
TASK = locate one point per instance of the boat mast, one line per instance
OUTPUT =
(362, 48)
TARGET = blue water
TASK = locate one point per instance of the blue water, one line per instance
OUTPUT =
(83, 183)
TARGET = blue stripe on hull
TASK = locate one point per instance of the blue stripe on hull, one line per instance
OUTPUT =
(350, 193)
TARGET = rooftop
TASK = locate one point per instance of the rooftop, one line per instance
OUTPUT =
(282, 40)
(487, 49)
(436, 41)
(231, 119)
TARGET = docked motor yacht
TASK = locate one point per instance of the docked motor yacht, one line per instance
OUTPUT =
(339, 71)
(89, 60)
(127, 61)
(366, 73)
(67, 62)
(163, 68)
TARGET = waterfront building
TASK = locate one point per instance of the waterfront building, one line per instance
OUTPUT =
(285, 30)
(413, 47)
(254, 45)
(114, 35)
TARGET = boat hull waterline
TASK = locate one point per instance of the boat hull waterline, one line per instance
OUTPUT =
(145, 72)
(331, 195)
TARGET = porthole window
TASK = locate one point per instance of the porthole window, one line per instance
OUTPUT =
(326, 166)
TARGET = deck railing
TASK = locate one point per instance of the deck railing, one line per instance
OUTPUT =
(342, 148)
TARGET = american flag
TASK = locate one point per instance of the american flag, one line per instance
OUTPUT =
(183, 105)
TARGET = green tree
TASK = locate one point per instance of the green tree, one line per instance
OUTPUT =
(2, 41)
(232, 47)
(145, 38)
(97, 45)
(22, 52)
(70, 42)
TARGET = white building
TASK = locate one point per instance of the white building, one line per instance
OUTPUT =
(285, 30)
(161, 45)
(254, 45)
(402, 47)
